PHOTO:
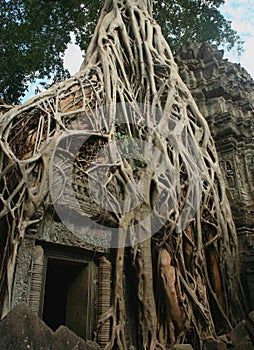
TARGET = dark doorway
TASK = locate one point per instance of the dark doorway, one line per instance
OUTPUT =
(65, 299)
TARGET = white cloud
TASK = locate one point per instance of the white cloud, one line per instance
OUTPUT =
(73, 57)
(241, 13)
(72, 61)
(247, 59)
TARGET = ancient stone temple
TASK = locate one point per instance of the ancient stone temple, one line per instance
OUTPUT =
(224, 92)
(135, 246)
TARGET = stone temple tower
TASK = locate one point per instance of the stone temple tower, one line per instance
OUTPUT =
(224, 92)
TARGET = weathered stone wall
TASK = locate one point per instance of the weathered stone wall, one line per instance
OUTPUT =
(224, 92)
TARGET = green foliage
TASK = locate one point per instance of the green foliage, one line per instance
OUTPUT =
(184, 21)
(130, 148)
(35, 33)
(33, 37)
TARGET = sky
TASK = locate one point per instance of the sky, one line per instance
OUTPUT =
(240, 12)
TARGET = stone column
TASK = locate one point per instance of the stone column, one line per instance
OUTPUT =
(104, 300)
(21, 283)
(37, 275)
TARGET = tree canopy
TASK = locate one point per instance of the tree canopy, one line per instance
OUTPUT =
(34, 34)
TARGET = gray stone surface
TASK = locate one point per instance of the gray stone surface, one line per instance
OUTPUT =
(22, 330)
(251, 316)
(182, 347)
(50, 230)
(213, 344)
(66, 339)
(22, 277)
(240, 338)
(250, 325)
(224, 93)
(239, 333)
(244, 345)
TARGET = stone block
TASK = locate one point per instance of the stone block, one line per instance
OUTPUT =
(240, 333)
(21, 329)
(244, 345)
(213, 344)
(66, 339)
(250, 325)
(251, 316)
(182, 347)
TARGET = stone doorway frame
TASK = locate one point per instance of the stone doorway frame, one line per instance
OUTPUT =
(42, 252)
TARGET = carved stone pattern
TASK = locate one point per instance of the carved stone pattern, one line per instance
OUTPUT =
(36, 279)
(22, 275)
(224, 92)
(53, 231)
(104, 300)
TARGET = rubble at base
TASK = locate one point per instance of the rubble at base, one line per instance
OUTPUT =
(22, 330)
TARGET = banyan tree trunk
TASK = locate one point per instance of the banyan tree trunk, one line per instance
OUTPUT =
(174, 245)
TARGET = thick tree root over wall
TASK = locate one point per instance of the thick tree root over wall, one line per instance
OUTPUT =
(185, 282)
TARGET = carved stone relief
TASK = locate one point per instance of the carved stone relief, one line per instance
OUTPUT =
(104, 300)
(51, 230)
(23, 272)
(36, 284)
(224, 93)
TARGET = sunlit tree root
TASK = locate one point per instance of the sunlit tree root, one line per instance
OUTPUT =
(187, 280)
